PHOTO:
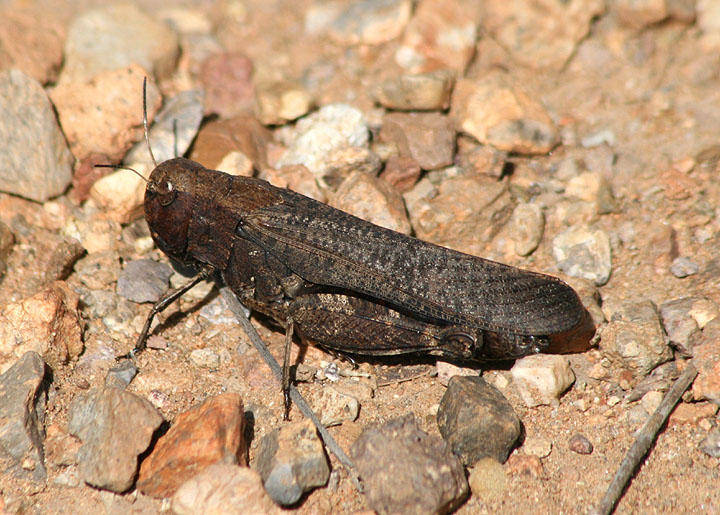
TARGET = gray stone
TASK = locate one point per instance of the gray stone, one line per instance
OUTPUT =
(582, 252)
(684, 267)
(635, 338)
(660, 380)
(336, 407)
(56, 256)
(370, 22)
(121, 375)
(477, 421)
(463, 212)
(144, 280)
(35, 160)
(527, 225)
(316, 135)
(292, 461)
(172, 131)
(99, 303)
(680, 326)
(22, 416)
(593, 187)
(401, 172)
(217, 312)
(711, 444)
(497, 112)
(405, 470)
(344, 161)
(115, 427)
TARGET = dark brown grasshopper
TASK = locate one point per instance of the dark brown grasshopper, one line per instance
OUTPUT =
(347, 284)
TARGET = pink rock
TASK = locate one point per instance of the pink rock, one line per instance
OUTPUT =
(228, 85)
(224, 488)
(104, 115)
(499, 114)
(47, 323)
(31, 43)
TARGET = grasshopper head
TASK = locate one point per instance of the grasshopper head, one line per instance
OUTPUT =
(169, 205)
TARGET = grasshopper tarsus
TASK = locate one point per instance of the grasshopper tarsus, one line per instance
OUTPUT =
(168, 298)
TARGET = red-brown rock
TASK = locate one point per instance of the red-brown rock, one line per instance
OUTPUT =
(210, 433)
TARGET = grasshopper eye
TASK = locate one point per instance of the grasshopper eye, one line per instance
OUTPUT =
(166, 193)
(240, 229)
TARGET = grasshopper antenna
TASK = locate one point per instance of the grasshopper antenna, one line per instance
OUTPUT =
(119, 167)
(145, 122)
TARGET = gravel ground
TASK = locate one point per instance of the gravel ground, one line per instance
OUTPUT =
(575, 138)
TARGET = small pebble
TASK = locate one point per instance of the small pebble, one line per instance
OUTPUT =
(679, 325)
(650, 401)
(372, 199)
(487, 479)
(427, 91)
(369, 22)
(527, 225)
(683, 267)
(537, 446)
(446, 371)
(525, 464)
(217, 312)
(405, 470)
(227, 80)
(121, 375)
(222, 488)
(206, 358)
(541, 379)
(428, 138)
(602, 137)
(128, 36)
(501, 115)
(583, 252)
(579, 444)
(280, 102)
(144, 280)
(335, 407)
(112, 99)
(635, 337)
(440, 35)
(710, 445)
(476, 420)
(172, 131)
(292, 461)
